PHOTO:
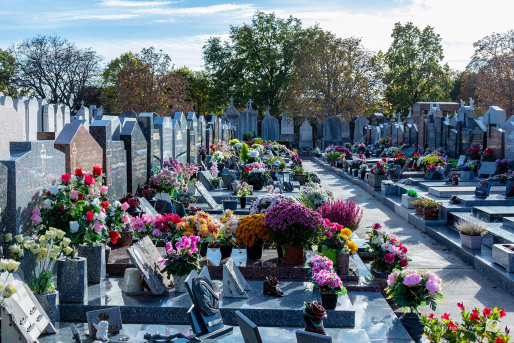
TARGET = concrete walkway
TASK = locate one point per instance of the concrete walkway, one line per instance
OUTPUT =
(462, 282)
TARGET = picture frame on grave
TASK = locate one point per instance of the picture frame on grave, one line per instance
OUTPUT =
(206, 195)
(111, 314)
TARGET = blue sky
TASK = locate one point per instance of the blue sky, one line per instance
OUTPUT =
(181, 28)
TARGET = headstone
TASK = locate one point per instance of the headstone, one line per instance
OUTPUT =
(110, 314)
(249, 330)
(496, 116)
(208, 198)
(136, 149)
(360, 123)
(204, 176)
(270, 128)
(83, 114)
(31, 119)
(287, 129)
(128, 114)
(40, 104)
(332, 132)
(192, 147)
(234, 284)
(482, 190)
(509, 140)
(31, 167)
(65, 115)
(146, 124)
(179, 126)
(147, 208)
(164, 126)
(247, 121)
(410, 151)
(305, 136)
(509, 190)
(80, 148)
(58, 119)
(346, 134)
(145, 256)
(310, 337)
(114, 156)
(461, 161)
(11, 128)
(487, 169)
(495, 141)
(228, 179)
(20, 107)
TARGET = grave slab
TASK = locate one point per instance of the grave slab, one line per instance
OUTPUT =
(493, 213)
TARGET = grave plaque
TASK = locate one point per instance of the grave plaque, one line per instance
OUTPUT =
(204, 176)
(164, 126)
(234, 284)
(410, 151)
(210, 200)
(136, 148)
(487, 169)
(11, 129)
(147, 208)
(80, 148)
(461, 161)
(145, 256)
(482, 190)
(249, 330)
(31, 167)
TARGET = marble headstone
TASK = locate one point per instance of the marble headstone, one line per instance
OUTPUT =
(305, 136)
(332, 132)
(11, 128)
(287, 129)
(136, 148)
(20, 107)
(346, 134)
(360, 123)
(270, 128)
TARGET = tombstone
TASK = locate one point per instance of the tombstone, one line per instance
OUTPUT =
(345, 132)
(496, 117)
(332, 132)
(509, 141)
(164, 127)
(228, 179)
(65, 114)
(204, 176)
(114, 157)
(20, 107)
(146, 123)
(465, 140)
(200, 140)
(83, 114)
(478, 133)
(179, 127)
(360, 123)
(270, 128)
(495, 141)
(128, 114)
(451, 149)
(487, 169)
(249, 330)
(30, 167)
(145, 256)
(49, 118)
(40, 104)
(247, 122)
(11, 129)
(192, 134)
(287, 129)
(305, 141)
(58, 119)
(310, 337)
(136, 150)
(31, 110)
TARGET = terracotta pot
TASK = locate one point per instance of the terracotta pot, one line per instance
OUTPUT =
(431, 213)
(418, 209)
(293, 255)
(254, 252)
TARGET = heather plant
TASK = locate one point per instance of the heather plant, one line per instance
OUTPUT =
(345, 213)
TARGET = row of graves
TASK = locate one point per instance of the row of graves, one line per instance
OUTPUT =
(117, 228)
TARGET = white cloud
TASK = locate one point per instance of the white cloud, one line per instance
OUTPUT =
(247, 9)
(99, 16)
(127, 3)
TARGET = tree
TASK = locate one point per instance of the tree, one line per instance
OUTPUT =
(91, 95)
(256, 62)
(199, 90)
(54, 69)
(414, 66)
(109, 77)
(7, 73)
(493, 63)
(333, 76)
(147, 83)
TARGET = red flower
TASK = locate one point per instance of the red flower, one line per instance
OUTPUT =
(61, 208)
(502, 313)
(452, 326)
(389, 258)
(81, 196)
(79, 172)
(89, 216)
(89, 180)
(475, 316)
(105, 204)
(65, 178)
(404, 262)
(97, 171)
(114, 235)
(499, 340)
(445, 316)
(431, 316)
(461, 306)
(486, 311)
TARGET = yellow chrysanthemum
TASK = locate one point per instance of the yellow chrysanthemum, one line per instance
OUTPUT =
(346, 232)
(352, 246)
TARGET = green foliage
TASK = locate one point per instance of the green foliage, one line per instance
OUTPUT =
(245, 155)
(249, 135)
(412, 193)
(200, 90)
(8, 67)
(108, 79)
(42, 283)
(414, 65)
(333, 156)
(298, 171)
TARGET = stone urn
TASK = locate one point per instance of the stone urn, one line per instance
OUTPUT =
(375, 180)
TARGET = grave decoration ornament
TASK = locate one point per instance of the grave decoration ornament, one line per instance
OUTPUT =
(314, 314)
(482, 190)
(270, 287)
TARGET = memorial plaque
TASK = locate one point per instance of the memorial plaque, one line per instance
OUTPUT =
(461, 161)
(31, 167)
(410, 151)
(136, 148)
(11, 129)
(487, 169)
(210, 200)
(147, 208)
(80, 148)
(204, 176)
(145, 256)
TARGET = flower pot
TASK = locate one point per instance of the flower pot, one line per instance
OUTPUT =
(431, 213)
(257, 186)
(375, 180)
(203, 249)
(355, 172)
(95, 257)
(280, 252)
(226, 251)
(293, 255)
(243, 202)
(134, 212)
(413, 325)
(125, 239)
(50, 303)
(300, 178)
(407, 201)
(254, 252)
(418, 209)
(152, 201)
(180, 283)
(363, 174)
(132, 282)
(472, 242)
(343, 263)
(229, 205)
(329, 300)
(72, 289)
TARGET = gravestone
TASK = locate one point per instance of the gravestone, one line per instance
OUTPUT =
(115, 126)
(11, 128)
(332, 132)
(249, 330)
(129, 114)
(145, 256)
(206, 195)
(495, 141)
(31, 167)
(80, 148)
(146, 124)
(31, 119)
(496, 117)
(287, 129)
(179, 127)
(228, 179)
(59, 122)
(114, 156)
(136, 150)
(310, 337)
(234, 284)
(487, 169)
(65, 115)
(478, 133)
(360, 123)
(246, 122)
(191, 143)
(111, 315)
(410, 151)
(509, 140)
(461, 161)
(305, 136)
(164, 127)
(147, 208)
(346, 134)
(49, 118)
(509, 189)
(20, 107)
(83, 114)
(204, 176)
(40, 104)
(270, 128)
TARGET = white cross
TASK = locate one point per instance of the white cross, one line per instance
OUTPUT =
(250, 103)
(43, 156)
(231, 101)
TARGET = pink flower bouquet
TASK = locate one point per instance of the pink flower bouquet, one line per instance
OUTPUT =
(182, 257)
(328, 282)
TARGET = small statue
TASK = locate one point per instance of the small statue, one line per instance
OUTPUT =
(314, 314)
(270, 287)
(102, 327)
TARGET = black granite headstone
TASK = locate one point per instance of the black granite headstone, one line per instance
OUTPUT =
(136, 147)
(487, 169)
(249, 330)
(153, 156)
(164, 126)
(410, 151)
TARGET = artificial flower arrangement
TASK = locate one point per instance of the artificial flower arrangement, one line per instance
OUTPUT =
(314, 195)
(477, 326)
(432, 159)
(160, 227)
(244, 189)
(77, 205)
(319, 263)
(380, 168)
(233, 142)
(147, 191)
(399, 159)
(361, 148)
(296, 160)
(252, 230)
(363, 167)
(334, 239)
(356, 163)
(256, 174)
(213, 148)
(488, 155)
(412, 289)
(201, 224)
(39, 260)
(214, 180)
(292, 224)
(265, 202)
(228, 229)
(182, 257)
(388, 253)
(10, 266)
(333, 156)
(166, 181)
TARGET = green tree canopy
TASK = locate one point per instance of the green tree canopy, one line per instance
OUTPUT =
(415, 72)
(7, 73)
(199, 90)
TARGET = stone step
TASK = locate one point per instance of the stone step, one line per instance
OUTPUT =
(497, 232)
(448, 192)
(491, 200)
(508, 222)
(493, 213)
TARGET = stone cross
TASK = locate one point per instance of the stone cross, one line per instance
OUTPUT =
(471, 102)
(267, 114)
(462, 103)
(223, 108)
(437, 107)
(231, 101)
(43, 157)
(250, 103)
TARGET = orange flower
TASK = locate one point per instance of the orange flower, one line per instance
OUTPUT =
(251, 229)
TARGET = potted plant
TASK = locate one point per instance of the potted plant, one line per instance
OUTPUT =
(408, 198)
(295, 159)
(333, 157)
(363, 169)
(293, 226)
(120, 233)
(214, 180)
(471, 233)
(148, 193)
(201, 224)
(183, 196)
(334, 242)
(244, 190)
(431, 209)
(252, 232)
(330, 286)
(412, 289)
(378, 173)
(314, 195)
(476, 325)
(256, 175)
(166, 181)
(225, 239)
(133, 202)
(418, 205)
(229, 204)
(181, 259)
(299, 175)
(388, 187)
(345, 213)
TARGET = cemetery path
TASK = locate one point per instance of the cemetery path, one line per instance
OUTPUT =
(462, 283)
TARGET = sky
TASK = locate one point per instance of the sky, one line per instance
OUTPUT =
(181, 28)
